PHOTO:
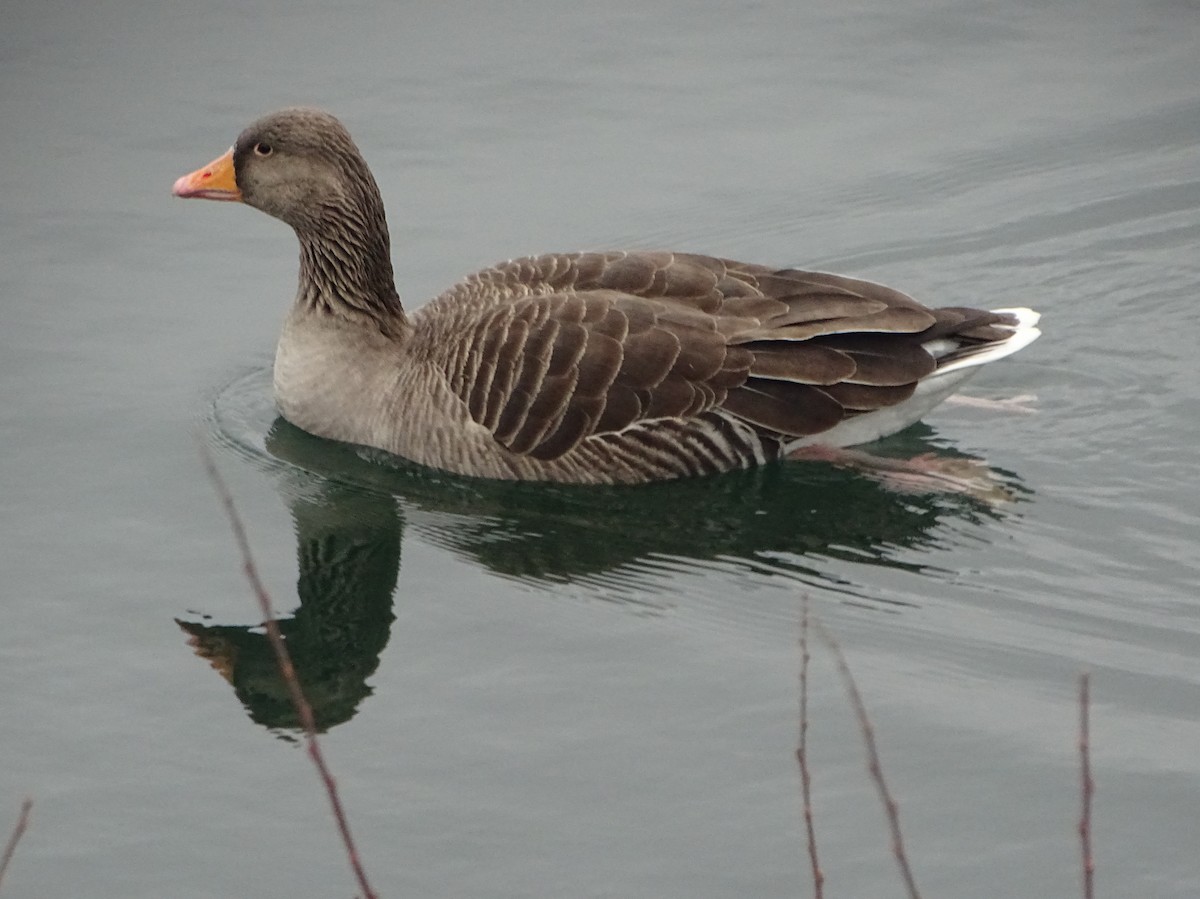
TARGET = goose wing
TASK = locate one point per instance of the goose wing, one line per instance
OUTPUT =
(548, 351)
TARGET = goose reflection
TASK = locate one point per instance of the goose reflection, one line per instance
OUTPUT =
(351, 512)
(348, 556)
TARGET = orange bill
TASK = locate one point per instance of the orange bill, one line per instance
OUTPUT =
(215, 181)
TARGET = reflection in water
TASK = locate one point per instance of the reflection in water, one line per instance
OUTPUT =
(350, 519)
(348, 549)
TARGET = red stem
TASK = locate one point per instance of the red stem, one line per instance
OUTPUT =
(18, 829)
(1087, 788)
(802, 759)
(890, 806)
(284, 660)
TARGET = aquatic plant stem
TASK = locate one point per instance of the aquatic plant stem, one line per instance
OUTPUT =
(18, 829)
(287, 670)
(1087, 788)
(802, 758)
(891, 808)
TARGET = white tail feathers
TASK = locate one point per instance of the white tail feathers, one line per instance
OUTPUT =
(1024, 332)
(960, 366)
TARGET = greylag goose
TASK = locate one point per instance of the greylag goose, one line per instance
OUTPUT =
(589, 368)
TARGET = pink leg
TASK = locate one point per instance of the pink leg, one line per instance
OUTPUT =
(926, 473)
(1022, 404)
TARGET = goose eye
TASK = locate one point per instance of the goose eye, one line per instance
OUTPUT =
(262, 149)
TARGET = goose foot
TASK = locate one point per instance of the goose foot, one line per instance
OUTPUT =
(926, 473)
(1021, 404)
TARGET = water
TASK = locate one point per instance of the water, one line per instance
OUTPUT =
(546, 692)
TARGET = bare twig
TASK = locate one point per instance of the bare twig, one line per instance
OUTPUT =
(873, 765)
(802, 758)
(18, 829)
(1087, 788)
(287, 670)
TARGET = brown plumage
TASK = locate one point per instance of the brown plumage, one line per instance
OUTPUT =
(580, 367)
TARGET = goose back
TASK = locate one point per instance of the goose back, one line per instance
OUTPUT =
(629, 367)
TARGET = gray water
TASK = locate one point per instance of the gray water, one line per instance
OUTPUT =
(542, 692)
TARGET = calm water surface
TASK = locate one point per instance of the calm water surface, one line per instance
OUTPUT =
(535, 691)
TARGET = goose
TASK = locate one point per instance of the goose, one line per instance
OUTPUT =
(584, 367)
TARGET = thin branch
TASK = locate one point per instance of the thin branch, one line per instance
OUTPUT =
(18, 829)
(287, 670)
(1087, 788)
(802, 758)
(864, 722)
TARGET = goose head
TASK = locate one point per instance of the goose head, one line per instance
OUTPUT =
(299, 165)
